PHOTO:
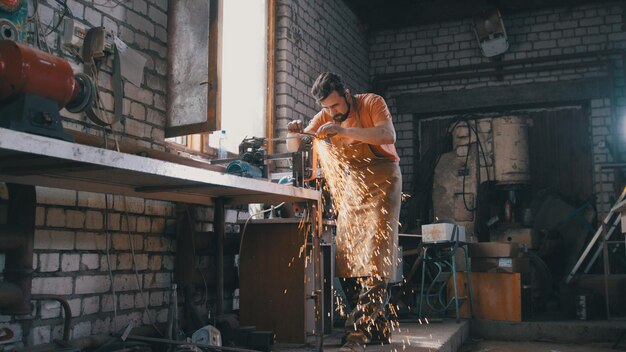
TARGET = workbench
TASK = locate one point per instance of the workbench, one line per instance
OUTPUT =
(43, 161)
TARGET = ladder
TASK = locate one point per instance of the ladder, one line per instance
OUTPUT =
(607, 227)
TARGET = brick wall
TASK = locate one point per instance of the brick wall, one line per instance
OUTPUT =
(73, 228)
(549, 32)
(142, 25)
(83, 252)
(313, 37)
(71, 260)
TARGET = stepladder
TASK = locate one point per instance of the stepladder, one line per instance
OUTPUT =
(603, 233)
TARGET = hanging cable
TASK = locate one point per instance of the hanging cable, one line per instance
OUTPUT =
(465, 167)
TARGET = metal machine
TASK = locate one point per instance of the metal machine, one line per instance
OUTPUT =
(13, 20)
(34, 86)
(253, 160)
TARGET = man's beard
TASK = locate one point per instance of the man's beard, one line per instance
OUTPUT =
(342, 117)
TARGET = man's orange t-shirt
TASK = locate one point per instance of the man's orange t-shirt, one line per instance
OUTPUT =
(371, 109)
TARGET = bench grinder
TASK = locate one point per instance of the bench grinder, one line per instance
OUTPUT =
(34, 86)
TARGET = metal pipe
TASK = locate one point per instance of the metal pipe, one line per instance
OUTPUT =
(19, 261)
(10, 294)
(495, 73)
(67, 311)
(219, 226)
(178, 343)
(487, 65)
(612, 165)
(319, 292)
(11, 238)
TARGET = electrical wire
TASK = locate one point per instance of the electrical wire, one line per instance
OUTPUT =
(39, 33)
(466, 170)
(480, 146)
(132, 247)
(66, 12)
(107, 3)
(134, 262)
(108, 256)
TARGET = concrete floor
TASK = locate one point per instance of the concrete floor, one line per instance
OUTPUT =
(490, 336)
(524, 346)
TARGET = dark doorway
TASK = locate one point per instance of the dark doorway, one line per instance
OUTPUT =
(560, 153)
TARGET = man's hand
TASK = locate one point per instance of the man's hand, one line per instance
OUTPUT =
(330, 129)
(295, 126)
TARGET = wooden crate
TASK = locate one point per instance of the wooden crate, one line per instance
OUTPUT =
(497, 296)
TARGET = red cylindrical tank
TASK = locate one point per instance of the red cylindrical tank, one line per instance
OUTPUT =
(27, 70)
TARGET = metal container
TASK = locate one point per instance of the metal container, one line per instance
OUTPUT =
(510, 139)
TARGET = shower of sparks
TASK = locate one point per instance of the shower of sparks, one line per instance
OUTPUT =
(365, 226)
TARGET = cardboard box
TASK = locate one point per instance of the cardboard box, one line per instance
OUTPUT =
(494, 250)
(441, 233)
(501, 265)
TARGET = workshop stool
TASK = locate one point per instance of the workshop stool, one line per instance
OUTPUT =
(442, 256)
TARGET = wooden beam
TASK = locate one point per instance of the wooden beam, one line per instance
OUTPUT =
(502, 97)
(270, 74)
(216, 19)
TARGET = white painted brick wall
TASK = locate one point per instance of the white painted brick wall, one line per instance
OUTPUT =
(70, 262)
(52, 285)
(81, 329)
(90, 305)
(90, 241)
(50, 309)
(91, 284)
(48, 262)
(39, 335)
(53, 239)
(313, 37)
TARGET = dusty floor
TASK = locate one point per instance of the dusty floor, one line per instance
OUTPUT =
(516, 346)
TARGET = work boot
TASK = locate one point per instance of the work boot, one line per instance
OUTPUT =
(381, 337)
(352, 346)
(381, 331)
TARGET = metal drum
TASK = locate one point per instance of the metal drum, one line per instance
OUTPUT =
(510, 138)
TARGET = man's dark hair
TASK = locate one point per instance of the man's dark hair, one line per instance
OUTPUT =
(325, 84)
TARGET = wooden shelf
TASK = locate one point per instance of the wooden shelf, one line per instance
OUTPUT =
(42, 161)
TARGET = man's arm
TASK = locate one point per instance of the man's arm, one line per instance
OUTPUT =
(382, 132)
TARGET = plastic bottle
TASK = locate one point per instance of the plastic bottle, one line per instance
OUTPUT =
(222, 153)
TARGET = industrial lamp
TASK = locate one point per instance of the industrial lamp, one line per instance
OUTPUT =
(490, 32)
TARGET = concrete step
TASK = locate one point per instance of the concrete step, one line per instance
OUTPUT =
(571, 331)
(446, 336)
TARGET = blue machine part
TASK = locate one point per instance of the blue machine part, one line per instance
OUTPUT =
(285, 180)
(13, 21)
(242, 168)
